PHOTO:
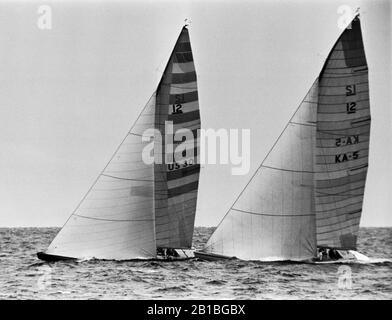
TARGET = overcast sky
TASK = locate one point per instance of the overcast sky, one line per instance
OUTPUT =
(70, 94)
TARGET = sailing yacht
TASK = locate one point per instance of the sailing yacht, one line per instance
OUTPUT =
(139, 210)
(304, 202)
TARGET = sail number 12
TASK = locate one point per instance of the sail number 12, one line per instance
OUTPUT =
(177, 106)
(351, 107)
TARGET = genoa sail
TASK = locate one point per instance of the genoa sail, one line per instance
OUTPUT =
(115, 220)
(309, 190)
(343, 132)
(274, 218)
(135, 207)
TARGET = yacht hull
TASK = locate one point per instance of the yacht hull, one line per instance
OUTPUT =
(52, 258)
(181, 254)
(210, 256)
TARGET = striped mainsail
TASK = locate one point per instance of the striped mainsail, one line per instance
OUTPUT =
(133, 207)
(343, 131)
(177, 103)
(309, 190)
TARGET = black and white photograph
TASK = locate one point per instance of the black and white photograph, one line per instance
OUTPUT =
(195, 150)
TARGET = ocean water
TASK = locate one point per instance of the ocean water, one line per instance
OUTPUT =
(23, 276)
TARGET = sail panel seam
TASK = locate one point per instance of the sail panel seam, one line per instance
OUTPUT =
(274, 215)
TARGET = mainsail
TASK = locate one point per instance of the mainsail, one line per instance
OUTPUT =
(134, 207)
(177, 103)
(309, 189)
(343, 131)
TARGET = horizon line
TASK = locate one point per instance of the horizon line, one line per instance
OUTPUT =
(200, 226)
